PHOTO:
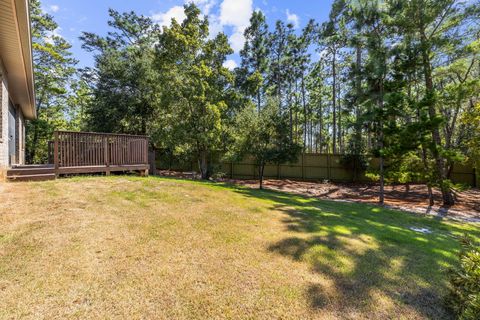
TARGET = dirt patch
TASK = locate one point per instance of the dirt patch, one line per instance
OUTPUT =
(412, 199)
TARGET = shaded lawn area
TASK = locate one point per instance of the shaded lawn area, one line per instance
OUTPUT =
(133, 247)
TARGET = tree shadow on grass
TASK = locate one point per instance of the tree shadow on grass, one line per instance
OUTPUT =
(368, 253)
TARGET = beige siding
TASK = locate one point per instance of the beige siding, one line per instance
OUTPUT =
(4, 121)
(20, 129)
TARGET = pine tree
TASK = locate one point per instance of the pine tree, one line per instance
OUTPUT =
(254, 55)
(54, 69)
(125, 86)
(197, 86)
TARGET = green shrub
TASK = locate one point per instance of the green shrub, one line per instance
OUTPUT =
(464, 296)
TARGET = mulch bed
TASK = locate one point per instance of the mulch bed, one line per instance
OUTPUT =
(466, 208)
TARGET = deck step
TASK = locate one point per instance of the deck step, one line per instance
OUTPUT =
(32, 177)
(29, 171)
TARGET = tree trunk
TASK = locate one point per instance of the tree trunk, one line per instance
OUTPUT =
(381, 199)
(334, 98)
(358, 126)
(305, 115)
(447, 194)
(320, 131)
(339, 130)
(33, 148)
(431, 201)
(261, 169)
(290, 111)
(203, 164)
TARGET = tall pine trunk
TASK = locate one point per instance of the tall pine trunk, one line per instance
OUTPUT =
(447, 194)
(381, 199)
(334, 100)
(358, 126)
(305, 115)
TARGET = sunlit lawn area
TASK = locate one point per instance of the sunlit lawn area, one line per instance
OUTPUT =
(129, 247)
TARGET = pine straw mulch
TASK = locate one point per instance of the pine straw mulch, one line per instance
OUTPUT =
(414, 199)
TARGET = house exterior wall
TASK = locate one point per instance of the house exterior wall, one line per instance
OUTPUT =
(19, 126)
(3, 121)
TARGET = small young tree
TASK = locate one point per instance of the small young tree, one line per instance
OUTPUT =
(264, 136)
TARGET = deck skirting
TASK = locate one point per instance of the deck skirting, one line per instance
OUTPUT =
(143, 168)
(48, 172)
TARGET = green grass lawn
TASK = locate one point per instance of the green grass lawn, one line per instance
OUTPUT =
(128, 247)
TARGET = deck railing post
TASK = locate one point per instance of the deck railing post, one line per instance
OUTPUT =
(106, 155)
(55, 152)
(145, 157)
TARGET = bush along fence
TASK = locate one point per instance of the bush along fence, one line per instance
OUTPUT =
(309, 166)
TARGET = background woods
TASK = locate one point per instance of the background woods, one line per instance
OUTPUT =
(397, 80)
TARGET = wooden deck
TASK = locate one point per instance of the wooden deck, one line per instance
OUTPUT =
(88, 152)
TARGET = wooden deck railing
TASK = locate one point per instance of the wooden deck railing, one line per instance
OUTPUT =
(77, 152)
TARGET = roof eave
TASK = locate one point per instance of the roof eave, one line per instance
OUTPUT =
(24, 26)
(16, 54)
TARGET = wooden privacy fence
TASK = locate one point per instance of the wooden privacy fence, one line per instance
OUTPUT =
(309, 166)
(89, 152)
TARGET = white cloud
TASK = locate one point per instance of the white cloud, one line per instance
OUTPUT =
(237, 40)
(230, 64)
(165, 18)
(51, 34)
(54, 8)
(215, 27)
(236, 13)
(293, 19)
(227, 13)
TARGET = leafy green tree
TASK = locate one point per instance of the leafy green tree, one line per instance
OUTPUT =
(398, 79)
(125, 86)
(54, 69)
(77, 103)
(196, 86)
(264, 136)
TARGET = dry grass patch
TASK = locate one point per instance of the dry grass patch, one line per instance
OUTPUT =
(170, 249)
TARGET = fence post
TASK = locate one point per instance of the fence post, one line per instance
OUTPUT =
(476, 176)
(106, 155)
(145, 157)
(329, 167)
(231, 170)
(303, 168)
(55, 153)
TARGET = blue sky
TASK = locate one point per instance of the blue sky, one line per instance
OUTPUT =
(229, 16)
